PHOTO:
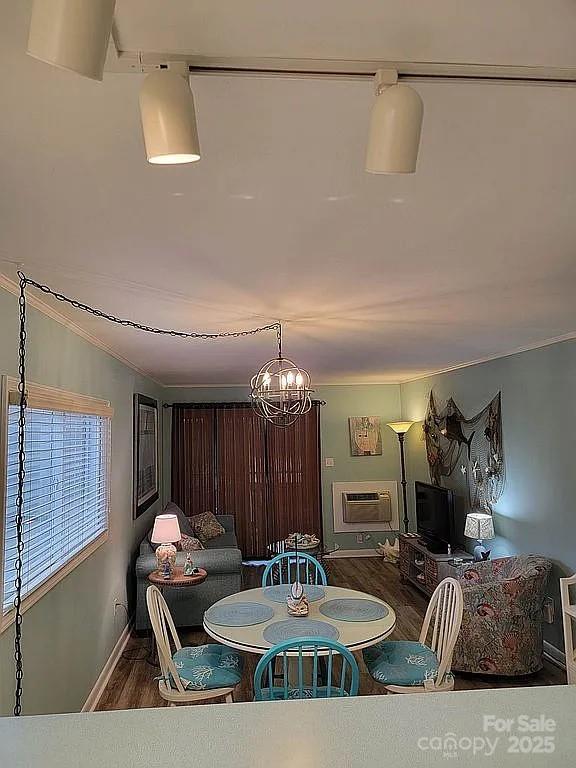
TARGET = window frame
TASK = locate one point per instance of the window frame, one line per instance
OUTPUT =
(49, 398)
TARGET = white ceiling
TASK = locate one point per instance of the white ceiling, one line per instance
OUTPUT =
(378, 278)
(524, 32)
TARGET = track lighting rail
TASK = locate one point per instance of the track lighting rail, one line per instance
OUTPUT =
(139, 62)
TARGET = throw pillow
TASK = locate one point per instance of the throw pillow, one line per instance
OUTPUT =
(189, 544)
(183, 521)
(206, 526)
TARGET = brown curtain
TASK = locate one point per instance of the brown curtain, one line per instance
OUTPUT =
(294, 477)
(227, 460)
(241, 483)
(193, 457)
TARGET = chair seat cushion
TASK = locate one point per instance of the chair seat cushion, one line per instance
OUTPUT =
(401, 662)
(208, 666)
(307, 693)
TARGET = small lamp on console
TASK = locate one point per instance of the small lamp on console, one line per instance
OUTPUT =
(166, 531)
(480, 526)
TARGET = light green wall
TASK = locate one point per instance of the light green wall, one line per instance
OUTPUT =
(537, 512)
(70, 632)
(341, 402)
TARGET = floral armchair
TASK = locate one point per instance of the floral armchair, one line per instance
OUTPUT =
(501, 630)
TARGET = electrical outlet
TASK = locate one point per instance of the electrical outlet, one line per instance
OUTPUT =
(119, 603)
(359, 538)
(328, 462)
(549, 610)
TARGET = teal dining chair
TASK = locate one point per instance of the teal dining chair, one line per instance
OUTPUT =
(293, 566)
(310, 668)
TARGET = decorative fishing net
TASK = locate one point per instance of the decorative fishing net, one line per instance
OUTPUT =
(474, 445)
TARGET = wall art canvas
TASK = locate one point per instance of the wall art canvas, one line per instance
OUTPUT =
(146, 483)
(365, 436)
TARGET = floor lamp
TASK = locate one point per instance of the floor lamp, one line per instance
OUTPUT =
(401, 427)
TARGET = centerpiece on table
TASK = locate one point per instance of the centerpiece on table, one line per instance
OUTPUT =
(297, 602)
(302, 540)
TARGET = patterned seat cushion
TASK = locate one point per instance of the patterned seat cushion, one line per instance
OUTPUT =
(208, 666)
(401, 662)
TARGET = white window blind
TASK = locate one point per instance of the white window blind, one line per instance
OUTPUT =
(66, 492)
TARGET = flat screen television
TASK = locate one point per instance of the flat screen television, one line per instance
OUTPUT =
(435, 515)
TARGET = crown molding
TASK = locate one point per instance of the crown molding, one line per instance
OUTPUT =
(11, 286)
(246, 385)
(317, 384)
(399, 382)
(491, 358)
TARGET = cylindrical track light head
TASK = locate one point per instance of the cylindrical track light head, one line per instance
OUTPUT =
(169, 119)
(72, 34)
(395, 131)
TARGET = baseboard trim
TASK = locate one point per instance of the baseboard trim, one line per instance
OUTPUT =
(352, 553)
(104, 677)
(554, 655)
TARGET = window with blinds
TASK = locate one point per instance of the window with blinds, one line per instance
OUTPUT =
(66, 489)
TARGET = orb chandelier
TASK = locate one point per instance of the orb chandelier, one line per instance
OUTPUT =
(281, 390)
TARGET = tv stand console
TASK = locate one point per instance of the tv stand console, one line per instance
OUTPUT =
(423, 568)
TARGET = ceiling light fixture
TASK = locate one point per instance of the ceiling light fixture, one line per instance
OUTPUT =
(281, 390)
(395, 126)
(169, 118)
(72, 34)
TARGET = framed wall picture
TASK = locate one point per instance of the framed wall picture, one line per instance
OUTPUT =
(146, 482)
(365, 436)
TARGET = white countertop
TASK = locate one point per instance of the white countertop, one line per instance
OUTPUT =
(379, 731)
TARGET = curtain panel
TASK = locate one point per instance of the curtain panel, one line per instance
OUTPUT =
(193, 459)
(228, 460)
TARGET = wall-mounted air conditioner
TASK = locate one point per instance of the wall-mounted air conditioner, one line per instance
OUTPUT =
(365, 506)
(368, 507)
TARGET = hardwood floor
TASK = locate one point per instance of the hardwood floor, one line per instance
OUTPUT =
(132, 684)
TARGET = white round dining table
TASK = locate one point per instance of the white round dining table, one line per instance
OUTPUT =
(355, 635)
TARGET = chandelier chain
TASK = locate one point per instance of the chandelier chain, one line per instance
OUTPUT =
(24, 281)
(296, 403)
(149, 329)
(20, 499)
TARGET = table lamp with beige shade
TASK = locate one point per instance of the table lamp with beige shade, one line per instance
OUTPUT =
(479, 526)
(166, 532)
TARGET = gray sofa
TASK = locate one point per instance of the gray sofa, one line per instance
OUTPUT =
(221, 559)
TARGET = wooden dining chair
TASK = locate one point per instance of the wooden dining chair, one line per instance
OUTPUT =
(568, 616)
(404, 666)
(304, 673)
(190, 674)
(293, 566)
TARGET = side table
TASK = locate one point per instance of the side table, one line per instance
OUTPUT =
(178, 581)
(178, 578)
